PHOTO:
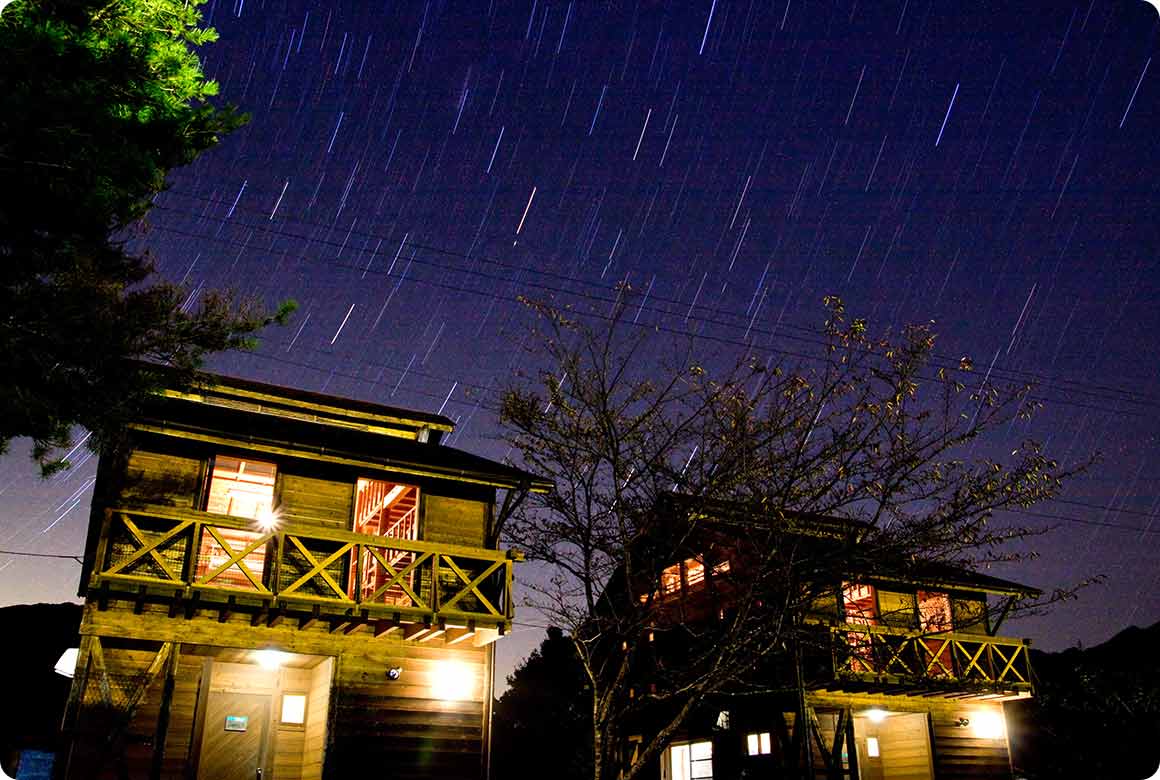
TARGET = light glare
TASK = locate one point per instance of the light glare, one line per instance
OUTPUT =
(270, 659)
(876, 716)
(988, 724)
(453, 681)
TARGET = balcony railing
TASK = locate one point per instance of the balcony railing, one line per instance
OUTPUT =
(217, 558)
(875, 655)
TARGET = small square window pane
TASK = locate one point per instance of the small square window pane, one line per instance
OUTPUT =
(294, 709)
(765, 748)
(701, 750)
(753, 744)
(703, 770)
(872, 747)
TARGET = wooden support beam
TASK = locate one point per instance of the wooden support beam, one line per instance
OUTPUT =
(191, 605)
(139, 602)
(260, 614)
(226, 609)
(163, 715)
(276, 616)
(98, 656)
(416, 630)
(456, 635)
(385, 627)
(485, 636)
(309, 620)
(356, 624)
(436, 631)
(176, 603)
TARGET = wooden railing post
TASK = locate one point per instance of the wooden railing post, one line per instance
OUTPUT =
(279, 554)
(356, 574)
(435, 587)
(99, 561)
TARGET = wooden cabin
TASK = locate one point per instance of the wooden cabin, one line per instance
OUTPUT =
(282, 585)
(903, 673)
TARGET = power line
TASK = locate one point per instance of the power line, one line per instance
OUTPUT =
(606, 300)
(25, 554)
(951, 362)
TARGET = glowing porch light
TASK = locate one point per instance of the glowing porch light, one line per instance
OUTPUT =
(270, 659)
(876, 715)
(988, 724)
(454, 681)
(66, 665)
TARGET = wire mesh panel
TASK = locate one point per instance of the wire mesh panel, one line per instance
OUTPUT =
(314, 567)
(232, 558)
(144, 546)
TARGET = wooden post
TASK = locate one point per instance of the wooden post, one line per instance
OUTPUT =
(851, 746)
(163, 715)
(72, 708)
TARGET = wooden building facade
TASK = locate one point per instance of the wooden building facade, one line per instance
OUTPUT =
(283, 585)
(894, 677)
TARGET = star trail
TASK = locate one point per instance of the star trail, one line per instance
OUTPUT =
(411, 169)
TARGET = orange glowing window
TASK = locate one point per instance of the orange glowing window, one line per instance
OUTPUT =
(241, 487)
(934, 611)
(390, 510)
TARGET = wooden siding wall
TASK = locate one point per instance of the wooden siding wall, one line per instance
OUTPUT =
(957, 753)
(368, 720)
(454, 521)
(903, 746)
(399, 725)
(317, 713)
(960, 755)
(161, 479)
(308, 501)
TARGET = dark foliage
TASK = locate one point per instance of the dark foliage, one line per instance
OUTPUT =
(541, 724)
(35, 635)
(98, 101)
(1096, 712)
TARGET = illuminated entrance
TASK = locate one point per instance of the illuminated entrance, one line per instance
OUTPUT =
(261, 713)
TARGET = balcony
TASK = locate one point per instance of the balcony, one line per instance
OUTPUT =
(960, 665)
(195, 561)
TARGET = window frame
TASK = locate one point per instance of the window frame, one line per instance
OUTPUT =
(285, 725)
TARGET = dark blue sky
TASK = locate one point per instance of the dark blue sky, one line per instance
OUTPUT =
(411, 168)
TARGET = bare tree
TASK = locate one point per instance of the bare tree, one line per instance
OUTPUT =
(659, 460)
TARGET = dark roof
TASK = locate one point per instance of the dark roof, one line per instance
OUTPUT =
(952, 576)
(225, 410)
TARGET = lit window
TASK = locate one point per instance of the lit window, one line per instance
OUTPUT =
(721, 568)
(872, 747)
(934, 611)
(758, 744)
(694, 572)
(690, 761)
(293, 709)
(390, 510)
(671, 579)
(241, 488)
(860, 607)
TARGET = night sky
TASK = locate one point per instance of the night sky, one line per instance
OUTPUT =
(410, 169)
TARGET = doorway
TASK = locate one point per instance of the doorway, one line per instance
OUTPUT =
(893, 745)
(235, 737)
(261, 715)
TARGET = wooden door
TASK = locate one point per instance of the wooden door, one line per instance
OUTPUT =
(234, 737)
